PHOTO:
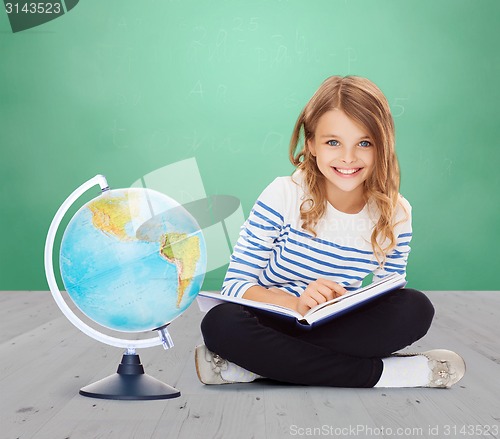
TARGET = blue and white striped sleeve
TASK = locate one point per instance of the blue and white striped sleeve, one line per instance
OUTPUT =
(396, 260)
(256, 241)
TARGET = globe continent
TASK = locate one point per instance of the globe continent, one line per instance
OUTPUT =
(132, 260)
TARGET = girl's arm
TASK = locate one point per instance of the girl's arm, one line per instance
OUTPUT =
(256, 242)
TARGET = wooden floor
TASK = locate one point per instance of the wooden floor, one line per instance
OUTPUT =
(45, 361)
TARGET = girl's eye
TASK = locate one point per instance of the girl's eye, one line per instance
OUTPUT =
(333, 143)
(364, 143)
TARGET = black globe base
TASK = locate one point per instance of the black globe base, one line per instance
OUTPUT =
(130, 382)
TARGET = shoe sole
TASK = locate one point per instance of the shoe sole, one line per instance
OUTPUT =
(197, 350)
(200, 353)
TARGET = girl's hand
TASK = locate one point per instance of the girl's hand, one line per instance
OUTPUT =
(317, 292)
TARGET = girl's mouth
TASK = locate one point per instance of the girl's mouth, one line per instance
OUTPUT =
(346, 172)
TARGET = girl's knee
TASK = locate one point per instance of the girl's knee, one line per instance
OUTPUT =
(219, 323)
(421, 303)
(216, 318)
(420, 310)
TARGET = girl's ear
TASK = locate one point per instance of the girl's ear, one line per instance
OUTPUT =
(310, 147)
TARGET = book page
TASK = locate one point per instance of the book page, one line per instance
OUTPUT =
(208, 299)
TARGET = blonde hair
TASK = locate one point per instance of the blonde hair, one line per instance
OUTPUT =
(364, 102)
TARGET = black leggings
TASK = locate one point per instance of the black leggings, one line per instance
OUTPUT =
(345, 352)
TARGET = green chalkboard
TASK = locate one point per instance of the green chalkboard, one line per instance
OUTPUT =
(125, 88)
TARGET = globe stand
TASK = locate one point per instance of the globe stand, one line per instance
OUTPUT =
(130, 382)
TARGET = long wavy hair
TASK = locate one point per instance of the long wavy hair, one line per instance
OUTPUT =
(363, 102)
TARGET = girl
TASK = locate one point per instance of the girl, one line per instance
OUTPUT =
(315, 235)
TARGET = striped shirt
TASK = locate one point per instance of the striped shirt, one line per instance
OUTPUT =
(273, 250)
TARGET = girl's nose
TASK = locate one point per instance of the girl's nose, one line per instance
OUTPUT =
(348, 156)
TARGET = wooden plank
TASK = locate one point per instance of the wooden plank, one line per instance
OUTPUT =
(215, 413)
(21, 308)
(87, 418)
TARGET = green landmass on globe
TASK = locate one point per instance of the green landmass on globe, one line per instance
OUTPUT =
(111, 216)
(184, 252)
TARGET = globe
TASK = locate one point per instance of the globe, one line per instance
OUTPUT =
(132, 260)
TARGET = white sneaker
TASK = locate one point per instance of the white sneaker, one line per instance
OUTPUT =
(209, 368)
(447, 367)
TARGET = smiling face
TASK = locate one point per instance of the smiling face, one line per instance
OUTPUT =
(345, 155)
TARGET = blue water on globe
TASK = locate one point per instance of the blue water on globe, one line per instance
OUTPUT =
(132, 260)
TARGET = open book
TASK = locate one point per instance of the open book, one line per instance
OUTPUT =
(320, 313)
